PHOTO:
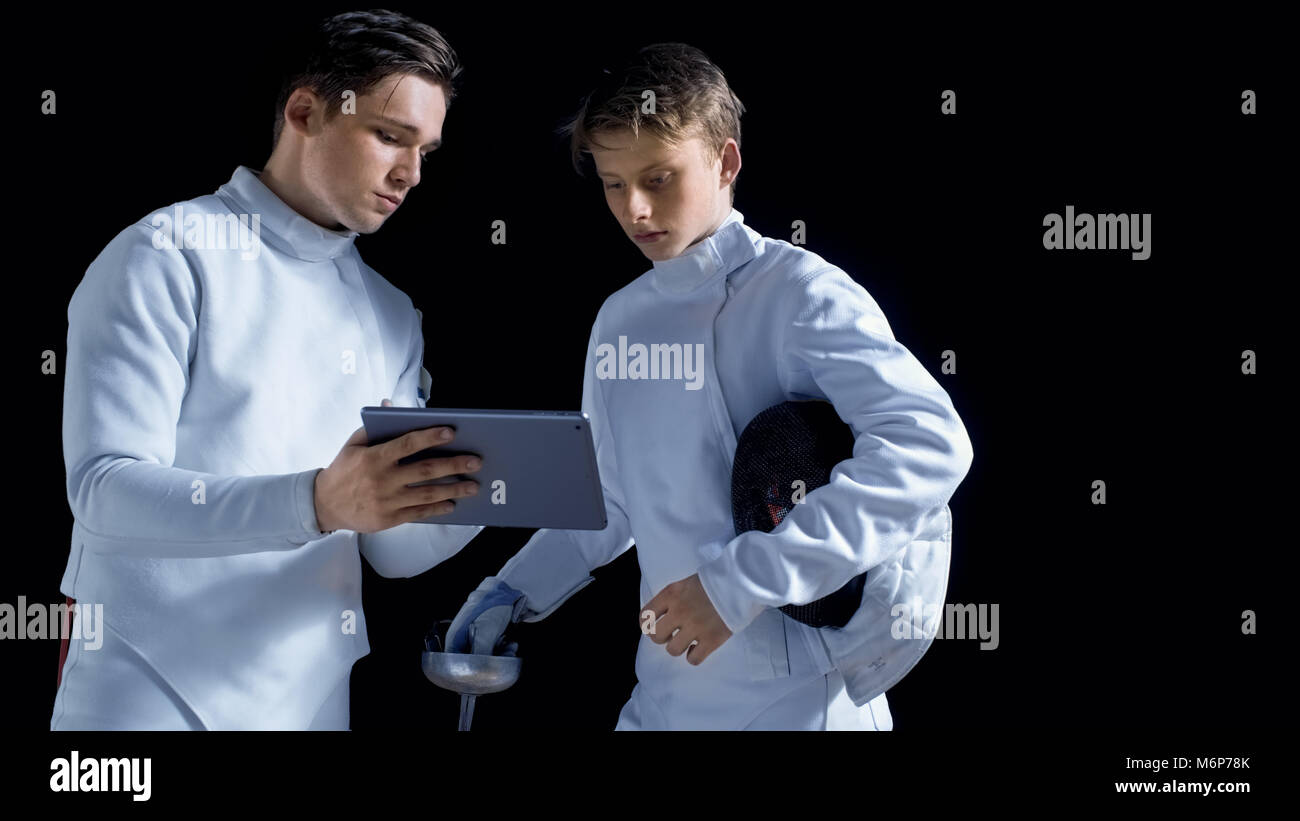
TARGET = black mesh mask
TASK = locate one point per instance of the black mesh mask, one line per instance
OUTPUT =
(789, 442)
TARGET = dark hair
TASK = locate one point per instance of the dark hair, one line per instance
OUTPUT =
(691, 95)
(357, 50)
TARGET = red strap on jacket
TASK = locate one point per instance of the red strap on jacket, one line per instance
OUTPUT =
(63, 644)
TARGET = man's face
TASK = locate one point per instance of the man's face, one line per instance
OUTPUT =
(353, 161)
(664, 198)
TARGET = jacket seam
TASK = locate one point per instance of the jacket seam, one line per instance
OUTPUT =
(785, 327)
(189, 701)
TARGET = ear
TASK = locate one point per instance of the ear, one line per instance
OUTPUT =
(304, 111)
(729, 163)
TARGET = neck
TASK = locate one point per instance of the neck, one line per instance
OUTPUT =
(723, 212)
(281, 177)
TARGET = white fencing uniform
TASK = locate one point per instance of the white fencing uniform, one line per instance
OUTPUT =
(206, 385)
(774, 323)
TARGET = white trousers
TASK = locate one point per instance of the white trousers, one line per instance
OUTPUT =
(113, 688)
(821, 704)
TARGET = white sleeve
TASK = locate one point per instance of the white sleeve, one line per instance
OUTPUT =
(555, 564)
(410, 549)
(911, 452)
(131, 336)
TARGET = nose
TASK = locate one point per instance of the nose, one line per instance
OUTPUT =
(636, 207)
(406, 174)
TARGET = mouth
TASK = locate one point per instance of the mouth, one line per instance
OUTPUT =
(388, 202)
(653, 236)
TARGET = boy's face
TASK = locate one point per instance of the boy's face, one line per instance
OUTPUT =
(353, 161)
(665, 198)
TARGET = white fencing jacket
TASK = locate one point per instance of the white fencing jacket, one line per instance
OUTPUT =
(204, 389)
(774, 322)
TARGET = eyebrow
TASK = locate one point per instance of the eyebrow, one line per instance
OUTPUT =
(657, 164)
(407, 127)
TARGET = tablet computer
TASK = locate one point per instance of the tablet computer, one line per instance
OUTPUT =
(539, 467)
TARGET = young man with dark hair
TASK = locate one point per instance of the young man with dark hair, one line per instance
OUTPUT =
(218, 352)
(756, 322)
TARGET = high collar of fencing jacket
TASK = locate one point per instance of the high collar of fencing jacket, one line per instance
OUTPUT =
(283, 227)
(720, 253)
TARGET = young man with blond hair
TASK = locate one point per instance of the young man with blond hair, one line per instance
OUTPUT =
(771, 322)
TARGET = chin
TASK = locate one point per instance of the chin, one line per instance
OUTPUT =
(365, 226)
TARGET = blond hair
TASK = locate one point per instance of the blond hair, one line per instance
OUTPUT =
(691, 99)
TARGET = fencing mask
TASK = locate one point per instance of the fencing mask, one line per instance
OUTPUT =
(785, 444)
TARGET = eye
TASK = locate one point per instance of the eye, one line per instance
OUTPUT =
(612, 185)
(385, 137)
(660, 180)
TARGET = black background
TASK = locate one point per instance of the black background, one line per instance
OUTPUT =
(1071, 366)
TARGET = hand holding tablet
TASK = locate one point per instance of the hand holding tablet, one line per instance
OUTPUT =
(367, 489)
(538, 467)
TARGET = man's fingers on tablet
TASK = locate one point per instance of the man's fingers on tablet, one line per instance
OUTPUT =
(432, 494)
(438, 467)
(416, 441)
(460, 489)
(424, 511)
(440, 509)
(431, 437)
